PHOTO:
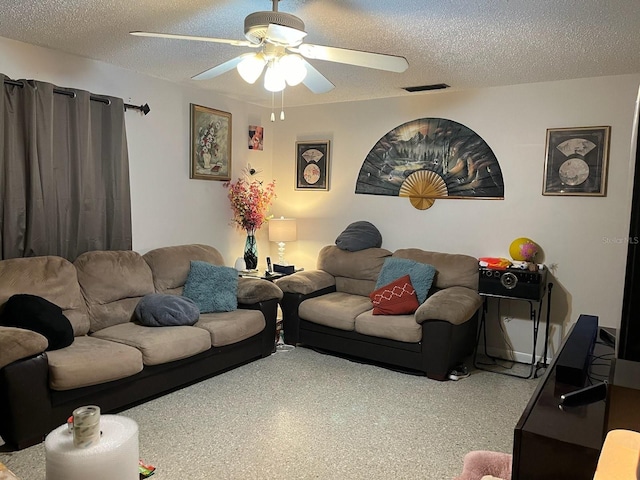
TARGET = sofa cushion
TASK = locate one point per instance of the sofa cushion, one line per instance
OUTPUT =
(112, 282)
(453, 268)
(213, 288)
(358, 236)
(362, 265)
(91, 361)
(18, 343)
(158, 345)
(336, 309)
(171, 265)
(402, 328)
(421, 274)
(161, 310)
(396, 298)
(39, 315)
(57, 281)
(226, 328)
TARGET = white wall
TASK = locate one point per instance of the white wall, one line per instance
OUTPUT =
(588, 270)
(168, 208)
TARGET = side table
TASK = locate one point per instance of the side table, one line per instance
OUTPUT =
(279, 346)
(503, 284)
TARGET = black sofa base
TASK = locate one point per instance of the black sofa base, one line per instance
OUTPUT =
(29, 409)
(435, 359)
(443, 345)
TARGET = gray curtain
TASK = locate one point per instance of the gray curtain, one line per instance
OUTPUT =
(64, 185)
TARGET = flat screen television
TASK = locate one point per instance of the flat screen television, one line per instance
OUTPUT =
(628, 341)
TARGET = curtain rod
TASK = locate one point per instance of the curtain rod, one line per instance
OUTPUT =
(143, 108)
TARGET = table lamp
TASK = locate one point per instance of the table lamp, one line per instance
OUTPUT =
(282, 230)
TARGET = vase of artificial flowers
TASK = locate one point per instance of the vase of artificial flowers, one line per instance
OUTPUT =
(250, 201)
(251, 251)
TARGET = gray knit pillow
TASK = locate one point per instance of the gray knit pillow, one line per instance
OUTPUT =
(358, 236)
(162, 310)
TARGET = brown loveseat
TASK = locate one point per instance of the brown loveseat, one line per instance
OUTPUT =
(329, 308)
(114, 361)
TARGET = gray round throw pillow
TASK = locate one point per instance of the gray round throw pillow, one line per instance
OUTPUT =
(162, 310)
(358, 236)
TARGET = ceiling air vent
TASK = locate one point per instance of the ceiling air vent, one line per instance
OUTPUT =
(425, 88)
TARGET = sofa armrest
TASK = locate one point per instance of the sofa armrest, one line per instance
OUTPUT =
(455, 305)
(25, 402)
(254, 290)
(306, 282)
(18, 343)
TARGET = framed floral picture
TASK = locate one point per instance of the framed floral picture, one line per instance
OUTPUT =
(576, 162)
(210, 144)
(312, 165)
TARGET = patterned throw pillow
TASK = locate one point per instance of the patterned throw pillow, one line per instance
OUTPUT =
(421, 274)
(397, 298)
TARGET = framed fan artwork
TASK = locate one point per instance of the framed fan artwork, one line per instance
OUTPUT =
(312, 165)
(428, 159)
(576, 161)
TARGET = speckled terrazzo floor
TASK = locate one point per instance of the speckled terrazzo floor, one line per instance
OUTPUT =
(305, 415)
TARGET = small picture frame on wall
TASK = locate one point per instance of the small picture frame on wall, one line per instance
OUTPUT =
(576, 161)
(256, 137)
(312, 165)
(210, 144)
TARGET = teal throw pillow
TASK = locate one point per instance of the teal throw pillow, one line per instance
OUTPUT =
(213, 288)
(421, 274)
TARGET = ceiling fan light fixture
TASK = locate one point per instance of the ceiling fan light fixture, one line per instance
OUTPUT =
(251, 66)
(274, 77)
(293, 68)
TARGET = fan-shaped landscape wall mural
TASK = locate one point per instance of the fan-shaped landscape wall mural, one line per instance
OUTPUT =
(431, 158)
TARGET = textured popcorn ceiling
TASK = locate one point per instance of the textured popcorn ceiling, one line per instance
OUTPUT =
(463, 43)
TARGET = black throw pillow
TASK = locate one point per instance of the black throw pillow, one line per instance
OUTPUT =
(40, 315)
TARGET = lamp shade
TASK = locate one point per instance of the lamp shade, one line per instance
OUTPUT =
(283, 229)
(274, 77)
(251, 66)
(294, 69)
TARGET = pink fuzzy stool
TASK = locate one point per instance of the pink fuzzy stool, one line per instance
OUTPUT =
(483, 463)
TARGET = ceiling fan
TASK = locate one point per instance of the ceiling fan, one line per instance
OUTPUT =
(278, 36)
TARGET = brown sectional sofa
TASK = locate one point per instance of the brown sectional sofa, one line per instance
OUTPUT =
(114, 361)
(329, 308)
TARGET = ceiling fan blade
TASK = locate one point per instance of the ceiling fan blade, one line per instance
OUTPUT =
(315, 81)
(220, 69)
(379, 61)
(285, 35)
(238, 43)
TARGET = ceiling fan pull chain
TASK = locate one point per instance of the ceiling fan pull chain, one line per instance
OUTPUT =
(273, 115)
(282, 106)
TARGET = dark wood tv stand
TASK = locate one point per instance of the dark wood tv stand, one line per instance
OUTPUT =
(561, 444)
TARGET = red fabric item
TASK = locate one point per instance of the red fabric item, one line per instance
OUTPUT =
(396, 298)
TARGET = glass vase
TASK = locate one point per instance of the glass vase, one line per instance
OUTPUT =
(251, 251)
